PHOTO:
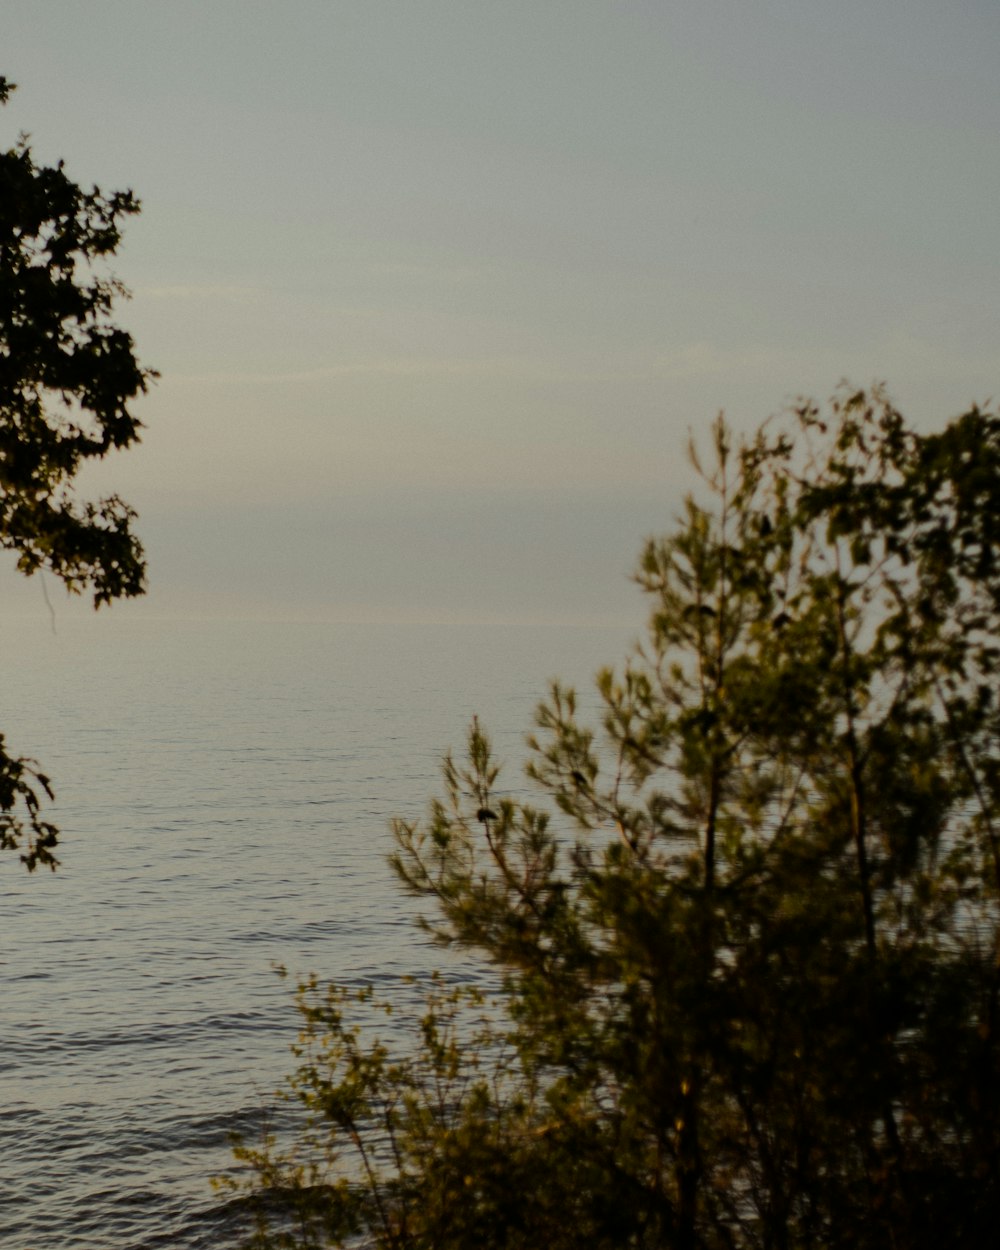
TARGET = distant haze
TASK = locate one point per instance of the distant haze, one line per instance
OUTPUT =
(438, 289)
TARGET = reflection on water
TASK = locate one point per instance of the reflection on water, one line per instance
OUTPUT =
(225, 791)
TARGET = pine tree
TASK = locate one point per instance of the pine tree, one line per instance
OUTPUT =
(748, 970)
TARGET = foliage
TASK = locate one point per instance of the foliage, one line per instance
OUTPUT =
(67, 377)
(749, 972)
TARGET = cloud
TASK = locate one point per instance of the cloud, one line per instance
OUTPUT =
(201, 291)
(449, 274)
(704, 359)
(525, 368)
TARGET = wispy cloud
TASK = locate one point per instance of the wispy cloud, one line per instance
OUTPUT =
(202, 291)
(704, 359)
(416, 271)
(525, 368)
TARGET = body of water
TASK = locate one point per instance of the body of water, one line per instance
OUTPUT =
(224, 791)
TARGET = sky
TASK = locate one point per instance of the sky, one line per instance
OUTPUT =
(438, 291)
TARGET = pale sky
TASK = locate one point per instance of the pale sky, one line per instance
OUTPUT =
(438, 289)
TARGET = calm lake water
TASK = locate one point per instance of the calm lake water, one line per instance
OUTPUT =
(224, 792)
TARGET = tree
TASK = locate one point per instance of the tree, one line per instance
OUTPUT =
(748, 976)
(68, 375)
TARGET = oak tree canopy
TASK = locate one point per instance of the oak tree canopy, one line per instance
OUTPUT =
(68, 376)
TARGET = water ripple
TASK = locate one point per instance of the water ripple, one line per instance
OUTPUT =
(225, 793)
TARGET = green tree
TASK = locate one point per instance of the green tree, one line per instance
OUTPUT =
(748, 970)
(68, 375)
